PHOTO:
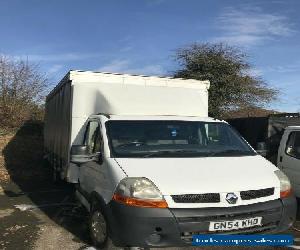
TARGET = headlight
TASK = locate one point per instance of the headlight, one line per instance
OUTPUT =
(139, 192)
(285, 185)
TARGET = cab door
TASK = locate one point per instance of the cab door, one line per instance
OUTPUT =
(92, 174)
(289, 160)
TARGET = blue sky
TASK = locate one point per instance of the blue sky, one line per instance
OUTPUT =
(140, 36)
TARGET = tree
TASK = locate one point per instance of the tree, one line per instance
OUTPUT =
(226, 67)
(22, 91)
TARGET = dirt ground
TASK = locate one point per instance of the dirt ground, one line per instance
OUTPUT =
(38, 214)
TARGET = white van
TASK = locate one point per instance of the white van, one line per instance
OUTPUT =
(152, 168)
(289, 156)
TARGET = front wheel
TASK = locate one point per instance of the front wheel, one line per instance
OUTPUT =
(98, 228)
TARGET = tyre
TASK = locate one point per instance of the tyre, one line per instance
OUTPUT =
(98, 228)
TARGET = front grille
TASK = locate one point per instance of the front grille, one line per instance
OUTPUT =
(197, 198)
(254, 194)
(231, 216)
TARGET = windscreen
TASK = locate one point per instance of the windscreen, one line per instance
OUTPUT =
(174, 139)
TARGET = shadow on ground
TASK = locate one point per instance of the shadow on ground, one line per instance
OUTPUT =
(23, 156)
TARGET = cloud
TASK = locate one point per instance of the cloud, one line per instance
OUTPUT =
(251, 26)
(58, 57)
(255, 72)
(118, 65)
(55, 68)
(290, 68)
(154, 69)
(126, 66)
(293, 67)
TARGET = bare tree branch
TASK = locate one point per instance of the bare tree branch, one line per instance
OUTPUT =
(22, 91)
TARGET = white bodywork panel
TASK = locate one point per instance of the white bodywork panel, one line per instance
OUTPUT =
(175, 176)
(288, 164)
(102, 179)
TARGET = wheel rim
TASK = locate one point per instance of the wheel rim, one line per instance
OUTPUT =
(98, 227)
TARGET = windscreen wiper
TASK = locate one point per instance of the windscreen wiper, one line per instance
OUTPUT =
(169, 152)
(231, 152)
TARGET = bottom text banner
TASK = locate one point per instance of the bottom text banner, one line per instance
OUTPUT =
(242, 240)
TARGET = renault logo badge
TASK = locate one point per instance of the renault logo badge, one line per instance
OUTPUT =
(231, 198)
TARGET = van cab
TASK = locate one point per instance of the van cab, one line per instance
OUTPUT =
(157, 181)
(289, 156)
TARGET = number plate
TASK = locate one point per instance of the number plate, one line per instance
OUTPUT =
(234, 224)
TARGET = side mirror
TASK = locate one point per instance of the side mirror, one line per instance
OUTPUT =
(261, 148)
(81, 154)
(293, 151)
(80, 150)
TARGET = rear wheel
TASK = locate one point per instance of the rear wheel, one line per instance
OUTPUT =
(98, 228)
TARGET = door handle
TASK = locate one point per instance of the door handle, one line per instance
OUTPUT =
(280, 159)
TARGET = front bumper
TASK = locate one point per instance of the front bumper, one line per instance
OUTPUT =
(146, 227)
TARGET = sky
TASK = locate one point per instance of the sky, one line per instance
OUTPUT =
(141, 36)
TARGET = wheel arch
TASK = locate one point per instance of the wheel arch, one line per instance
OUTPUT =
(97, 199)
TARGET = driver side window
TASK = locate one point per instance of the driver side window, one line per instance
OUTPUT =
(93, 137)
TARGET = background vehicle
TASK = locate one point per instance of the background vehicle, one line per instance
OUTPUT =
(264, 133)
(152, 168)
(289, 156)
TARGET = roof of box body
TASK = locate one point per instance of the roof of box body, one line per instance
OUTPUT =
(123, 94)
(92, 76)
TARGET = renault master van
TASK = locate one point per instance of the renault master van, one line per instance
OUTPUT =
(152, 168)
